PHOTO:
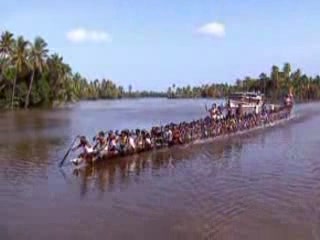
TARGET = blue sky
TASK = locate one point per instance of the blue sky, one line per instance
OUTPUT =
(153, 44)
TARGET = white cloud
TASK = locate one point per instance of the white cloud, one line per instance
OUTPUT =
(86, 35)
(214, 29)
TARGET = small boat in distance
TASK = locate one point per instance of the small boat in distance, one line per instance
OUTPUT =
(246, 99)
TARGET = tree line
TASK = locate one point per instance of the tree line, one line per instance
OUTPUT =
(274, 86)
(30, 77)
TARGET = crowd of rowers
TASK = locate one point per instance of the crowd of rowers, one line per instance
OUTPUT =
(221, 121)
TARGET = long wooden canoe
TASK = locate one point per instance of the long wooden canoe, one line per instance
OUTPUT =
(89, 160)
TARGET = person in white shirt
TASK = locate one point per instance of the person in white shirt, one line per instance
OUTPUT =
(87, 151)
(101, 148)
(85, 145)
(132, 145)
(256, 109)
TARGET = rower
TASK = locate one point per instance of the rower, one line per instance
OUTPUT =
(147, 141)
(101, 148)
(176, 135)
(117, 135)
(112, 143)
(214, 111)
(123, 141)
(139, 140)
(168, 135)
(85, 145)
(239, 110)
(220, 112)
(158, 136)
(256, 109)
(131, 143)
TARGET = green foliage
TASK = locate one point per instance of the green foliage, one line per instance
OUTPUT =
(30, 77)
(40, 94)
(274, 86)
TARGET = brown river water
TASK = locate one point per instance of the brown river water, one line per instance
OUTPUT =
(259, 185)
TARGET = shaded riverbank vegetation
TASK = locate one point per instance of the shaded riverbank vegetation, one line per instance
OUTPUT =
(274, 86)
(31, 77)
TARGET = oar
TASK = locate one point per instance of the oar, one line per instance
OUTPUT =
(67, 153)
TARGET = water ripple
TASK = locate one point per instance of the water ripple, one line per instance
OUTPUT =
(258, 185)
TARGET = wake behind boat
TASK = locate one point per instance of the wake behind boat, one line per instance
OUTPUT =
(222, 121)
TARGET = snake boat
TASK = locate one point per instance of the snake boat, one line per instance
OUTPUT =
(195, 132)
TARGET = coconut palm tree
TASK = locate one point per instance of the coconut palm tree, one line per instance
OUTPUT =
(6, 43)
(38, 55)
(19, 60)
(60, 75)
(55, 66)
(263, 82)
(78, 88)
(130, 90)
(173, 90)
(274, 72)
(275, 76)
(287, 70)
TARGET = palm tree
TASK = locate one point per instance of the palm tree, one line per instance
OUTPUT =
(239, 83)
(173, 90)
(169, 92)
(55, 64)
(77, 84)
(38, 55)
(263, 82)
(286, 75)
(19, 60)
(130, 90)
(275, 76)
(120, 90)
(6, 43)
(66, 92)
(287, 70)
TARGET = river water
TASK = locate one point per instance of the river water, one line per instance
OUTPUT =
(260, 185)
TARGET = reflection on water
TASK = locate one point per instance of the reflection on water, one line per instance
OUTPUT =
(259, 185)
(105, 175)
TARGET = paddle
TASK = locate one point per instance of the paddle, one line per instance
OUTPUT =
(67, 153)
